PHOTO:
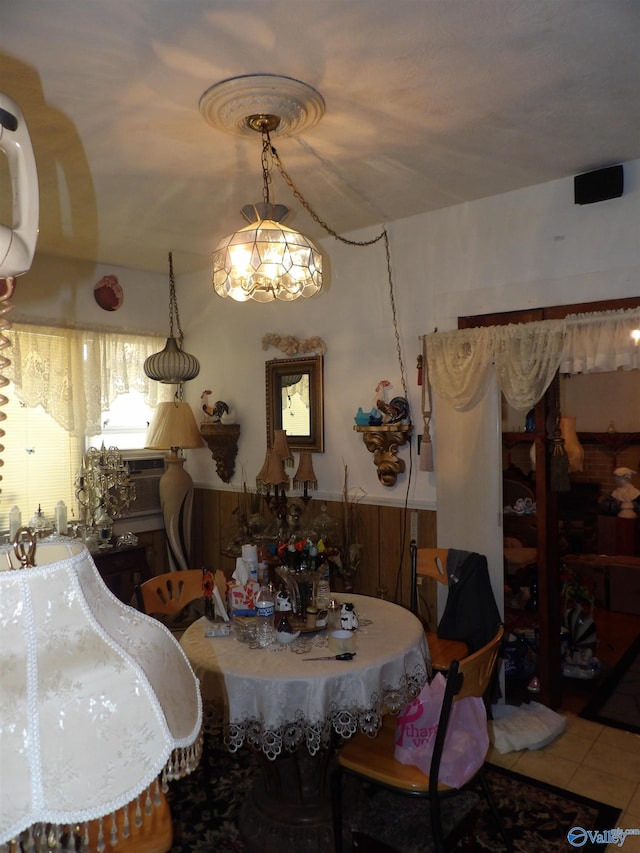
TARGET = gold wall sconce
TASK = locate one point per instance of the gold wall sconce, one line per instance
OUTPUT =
(383, 441)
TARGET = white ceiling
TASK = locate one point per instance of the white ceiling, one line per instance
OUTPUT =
(429, 103)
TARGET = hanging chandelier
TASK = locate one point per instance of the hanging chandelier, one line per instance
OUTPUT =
(172, 365)
(265, 260)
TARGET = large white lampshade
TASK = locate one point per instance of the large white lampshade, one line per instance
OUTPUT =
(97, 700)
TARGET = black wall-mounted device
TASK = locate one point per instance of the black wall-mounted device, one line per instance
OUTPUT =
(600, 185)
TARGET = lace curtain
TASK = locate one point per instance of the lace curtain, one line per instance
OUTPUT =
(527, 355)
(76, 374)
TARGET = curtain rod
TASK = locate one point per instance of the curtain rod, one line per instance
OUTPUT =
(89, 327)
(570, 319)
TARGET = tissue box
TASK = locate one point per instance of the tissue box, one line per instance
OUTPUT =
(242, 598)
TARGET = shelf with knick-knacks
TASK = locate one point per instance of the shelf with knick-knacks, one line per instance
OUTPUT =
(385, 428)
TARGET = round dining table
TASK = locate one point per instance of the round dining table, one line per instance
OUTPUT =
(293, 710)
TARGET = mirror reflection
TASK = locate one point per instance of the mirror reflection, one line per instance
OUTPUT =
(295, 402)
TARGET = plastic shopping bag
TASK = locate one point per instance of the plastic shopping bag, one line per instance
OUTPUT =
(466, 743)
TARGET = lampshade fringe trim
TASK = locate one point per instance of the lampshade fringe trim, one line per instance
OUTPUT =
(48, 837)
(182, 761)
(299, 483)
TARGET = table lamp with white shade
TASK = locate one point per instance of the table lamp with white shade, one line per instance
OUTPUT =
(99, 707)
(174, 428)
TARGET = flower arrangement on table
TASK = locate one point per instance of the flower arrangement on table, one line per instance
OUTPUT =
(301, 554)
(301, 568)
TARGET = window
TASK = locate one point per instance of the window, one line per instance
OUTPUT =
(125, 424)
(40, 461)
(71, 389)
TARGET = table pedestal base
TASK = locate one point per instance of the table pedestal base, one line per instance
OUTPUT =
(289, 806)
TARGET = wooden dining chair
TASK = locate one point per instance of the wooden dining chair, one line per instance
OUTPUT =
(166, 596)
(432, 563)
(169, 593)
(372, 758)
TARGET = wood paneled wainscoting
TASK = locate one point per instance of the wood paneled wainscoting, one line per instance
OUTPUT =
(385, 536)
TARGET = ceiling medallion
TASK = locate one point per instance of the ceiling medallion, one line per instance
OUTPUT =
(233, 104)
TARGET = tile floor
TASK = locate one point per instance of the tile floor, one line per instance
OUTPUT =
(590, 759)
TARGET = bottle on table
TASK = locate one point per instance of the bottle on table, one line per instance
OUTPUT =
(323, 589)
(265, 613)
(333, 616)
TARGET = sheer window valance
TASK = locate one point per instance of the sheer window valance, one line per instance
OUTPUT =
(526, 356)
(76, 374)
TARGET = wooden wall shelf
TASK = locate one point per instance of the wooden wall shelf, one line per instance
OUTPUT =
(222, 440)
(510, 439)
(614, 442)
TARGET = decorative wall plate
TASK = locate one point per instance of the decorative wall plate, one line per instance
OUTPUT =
(108, 293)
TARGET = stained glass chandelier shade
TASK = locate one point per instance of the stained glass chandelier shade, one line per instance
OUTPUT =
(266, 260)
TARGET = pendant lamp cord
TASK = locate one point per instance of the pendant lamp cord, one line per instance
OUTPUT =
(383, 235)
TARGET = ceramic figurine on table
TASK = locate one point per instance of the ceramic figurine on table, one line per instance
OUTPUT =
(284, 631)
(283, 602)
(348, 617)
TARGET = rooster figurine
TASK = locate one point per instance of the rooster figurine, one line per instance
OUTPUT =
(395, 411)
(380, 393)
(213, 413)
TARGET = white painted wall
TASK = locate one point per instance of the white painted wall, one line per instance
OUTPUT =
(61, 291)
(529, 248)
(523, 249)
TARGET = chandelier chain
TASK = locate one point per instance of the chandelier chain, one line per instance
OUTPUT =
(173, 304)
(173, 309)
(266, 164)
(382, 236)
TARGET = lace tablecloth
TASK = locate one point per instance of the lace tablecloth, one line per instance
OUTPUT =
(275, 698)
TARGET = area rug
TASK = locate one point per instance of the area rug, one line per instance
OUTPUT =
(205, 807)
(537, 818)
(617, 701)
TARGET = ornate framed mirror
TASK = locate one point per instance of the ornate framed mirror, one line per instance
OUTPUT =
(295, 402)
